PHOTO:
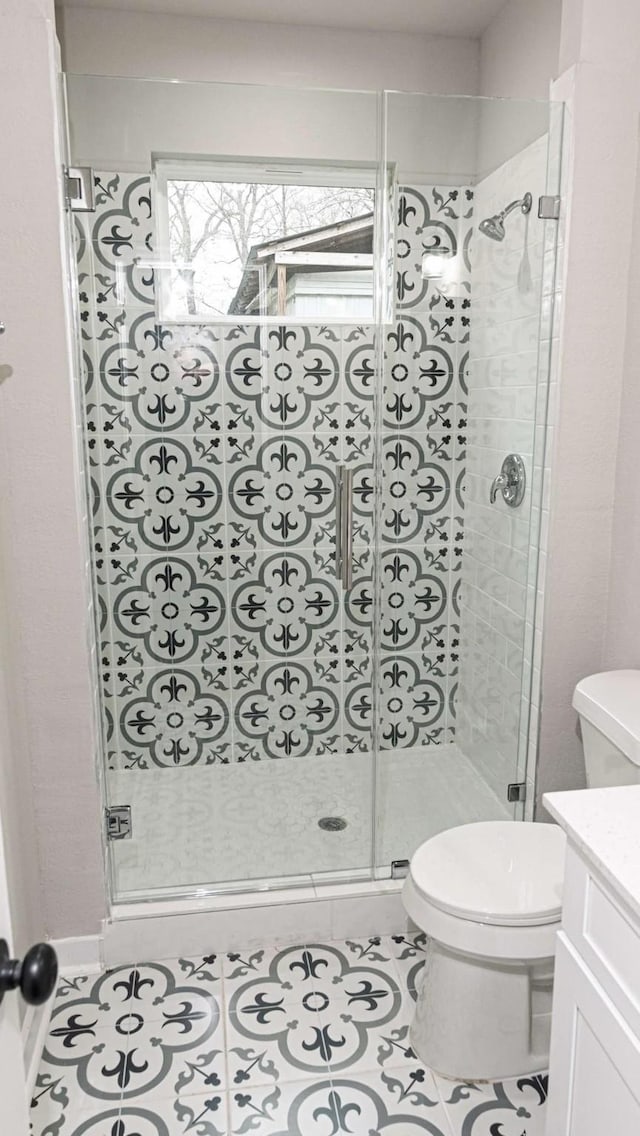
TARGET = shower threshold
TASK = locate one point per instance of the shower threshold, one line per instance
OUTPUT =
(184, 927)
(261, 886)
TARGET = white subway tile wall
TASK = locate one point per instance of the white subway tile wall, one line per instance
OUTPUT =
(510, 384)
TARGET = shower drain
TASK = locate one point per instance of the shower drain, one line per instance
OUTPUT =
(332, 824)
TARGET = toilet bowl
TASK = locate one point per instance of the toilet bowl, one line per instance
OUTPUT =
(489, 898)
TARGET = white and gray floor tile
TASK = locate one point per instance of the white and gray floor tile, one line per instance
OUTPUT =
(311, 1040)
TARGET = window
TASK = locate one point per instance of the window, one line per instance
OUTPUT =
(241, 242)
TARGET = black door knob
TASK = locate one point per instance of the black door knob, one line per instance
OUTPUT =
(36, 975)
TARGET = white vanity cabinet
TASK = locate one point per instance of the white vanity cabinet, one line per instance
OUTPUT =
(594, 1079)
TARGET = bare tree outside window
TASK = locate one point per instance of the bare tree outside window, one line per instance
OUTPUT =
(215, 228)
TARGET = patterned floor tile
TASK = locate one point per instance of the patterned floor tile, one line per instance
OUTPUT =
(138, 1030)
(309, 1040)
(289, 1045)
(173, 1116)
(94, 1060)
(376, 950)
(361, 1043)
(289, 971)
(408, 952)
(269, 1109)
(102, 998)
(201, 1116)
(360, 1107)
(61, 1107)
(251, 1063)
(508, 1108)
(406, 1101)
(154, 985)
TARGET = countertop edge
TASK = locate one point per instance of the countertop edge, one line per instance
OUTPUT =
(554, 802)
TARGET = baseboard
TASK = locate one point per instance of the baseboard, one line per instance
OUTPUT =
(79, 955)
(144, 932)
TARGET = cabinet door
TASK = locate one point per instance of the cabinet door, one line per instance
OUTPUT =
(594, 1082)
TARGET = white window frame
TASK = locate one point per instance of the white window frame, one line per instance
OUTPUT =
(263, 171)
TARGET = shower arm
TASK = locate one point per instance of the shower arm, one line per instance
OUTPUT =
(522, 203)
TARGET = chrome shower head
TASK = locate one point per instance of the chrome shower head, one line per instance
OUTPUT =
(493, 227)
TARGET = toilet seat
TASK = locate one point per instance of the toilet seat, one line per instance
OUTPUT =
(501, 872)
(492, 889)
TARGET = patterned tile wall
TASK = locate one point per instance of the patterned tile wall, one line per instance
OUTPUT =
(213, 452)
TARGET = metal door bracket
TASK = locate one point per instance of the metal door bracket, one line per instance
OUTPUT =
(549, 208)
(517, 792)
(79, 189)
(399, 869)
(118, 822)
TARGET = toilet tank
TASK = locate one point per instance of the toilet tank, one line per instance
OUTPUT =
(609, 708)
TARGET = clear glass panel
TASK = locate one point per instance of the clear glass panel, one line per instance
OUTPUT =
(249, 692)
(465, 376)
(236, 686)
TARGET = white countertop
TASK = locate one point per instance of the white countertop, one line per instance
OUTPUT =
(605, 825)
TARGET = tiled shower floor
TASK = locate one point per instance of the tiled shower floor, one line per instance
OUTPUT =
(297, 1041)
(246, 820)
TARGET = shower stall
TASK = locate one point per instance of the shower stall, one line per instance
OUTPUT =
(312, 325)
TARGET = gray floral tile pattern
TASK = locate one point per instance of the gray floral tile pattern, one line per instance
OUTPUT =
(310, 1040)
(213, 452)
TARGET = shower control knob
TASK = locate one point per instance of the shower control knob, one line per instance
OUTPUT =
(35, 976)
(511, 482)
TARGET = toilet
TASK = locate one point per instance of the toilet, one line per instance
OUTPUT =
(489, 898)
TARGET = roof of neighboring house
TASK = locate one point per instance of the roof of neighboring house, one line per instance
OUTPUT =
(351, 236)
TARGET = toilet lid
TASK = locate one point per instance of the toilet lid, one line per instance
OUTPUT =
(506, 873)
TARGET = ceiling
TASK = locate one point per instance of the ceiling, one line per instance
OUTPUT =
(433, 17)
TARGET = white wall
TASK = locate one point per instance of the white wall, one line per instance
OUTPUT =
(428, 141)
(622, 645)
(592, 614)
(603, 87)
(48, 684)
(102, 41)
(518, 60)
(519, 50)
(16, 798)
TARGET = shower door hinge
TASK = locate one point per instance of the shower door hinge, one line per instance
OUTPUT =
(399, 869)
(118, 821)
(517, 792)
(78, 188)
(549, 208)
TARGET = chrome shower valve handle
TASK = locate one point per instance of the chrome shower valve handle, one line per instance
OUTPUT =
(497, 486)
(511, 482)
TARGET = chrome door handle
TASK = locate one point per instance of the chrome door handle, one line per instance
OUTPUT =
(344, 526)
(511, 482)
(339, 478)
(347, 529)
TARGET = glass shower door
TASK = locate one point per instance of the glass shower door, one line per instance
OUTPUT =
(220, 420)
(466, 373)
